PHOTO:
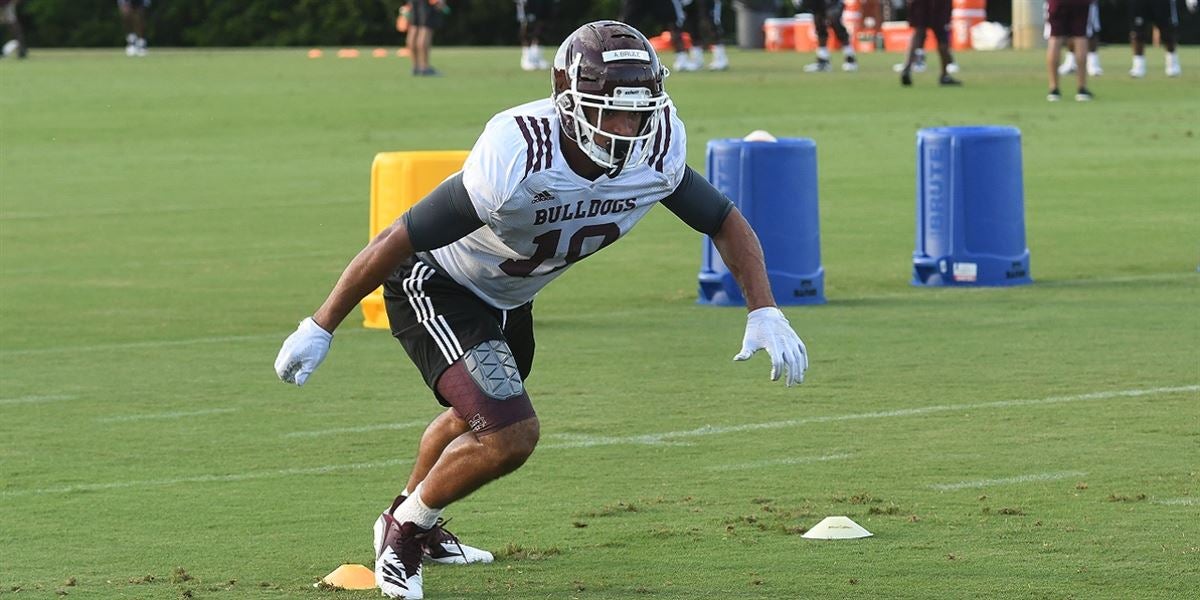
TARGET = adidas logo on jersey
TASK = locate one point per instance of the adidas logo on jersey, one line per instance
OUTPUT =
(542, 196)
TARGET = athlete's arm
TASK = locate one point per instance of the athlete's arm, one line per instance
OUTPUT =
(696, 202)
(442, 217)
(439, 219)
(766, 326)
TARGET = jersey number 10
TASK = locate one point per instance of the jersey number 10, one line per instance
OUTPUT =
(547, 247)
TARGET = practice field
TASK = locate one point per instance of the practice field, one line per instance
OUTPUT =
(165, 222)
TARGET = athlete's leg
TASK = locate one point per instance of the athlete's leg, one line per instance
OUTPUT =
(438, 435)
(1053, 51)
(471, 461)
(1080, 48)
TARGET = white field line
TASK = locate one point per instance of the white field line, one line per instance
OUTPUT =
(363, 429)
(34, 399)
(584, 441)
(94, 487)
(1186, 501)
(166, 415)
(591, 441)
(795, 460)
(981, 483)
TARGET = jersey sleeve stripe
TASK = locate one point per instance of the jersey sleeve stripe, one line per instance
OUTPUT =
(541, 144)
(528, 146)
(657, 148)
(549, 142)
(666, 138)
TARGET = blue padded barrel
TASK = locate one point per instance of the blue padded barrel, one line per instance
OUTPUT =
(774, 184)
(970, 208)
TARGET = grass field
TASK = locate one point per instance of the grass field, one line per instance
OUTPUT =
(165, 222)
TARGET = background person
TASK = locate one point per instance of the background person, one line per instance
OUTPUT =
(668, 13)
(827, 14)
(133, 16)
(8, 16)
(532, 15)
(424, 17)
(1161, 14)
(925, 15)
(1068, 21)
(1093, 42)
(704, 24)
(547, 184)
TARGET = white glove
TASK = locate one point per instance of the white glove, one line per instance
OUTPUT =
(302, 352)
(1192, 5)
(767, 329)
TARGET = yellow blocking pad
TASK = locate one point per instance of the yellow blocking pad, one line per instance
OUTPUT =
(398, 181)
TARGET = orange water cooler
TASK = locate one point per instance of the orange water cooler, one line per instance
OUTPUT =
(779, 34)
(806, 33)
(964, 14)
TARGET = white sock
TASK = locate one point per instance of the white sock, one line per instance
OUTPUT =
(822, 53)
(1172, 59)
(534, 50)
(131, 39)
(413, 510)
(848, 51)
(1069, 58)
(718, 52)
(1139, 62)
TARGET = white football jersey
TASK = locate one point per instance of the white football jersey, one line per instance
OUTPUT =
(540, 217)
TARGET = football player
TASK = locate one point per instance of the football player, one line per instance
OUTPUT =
(669, 13)
(133, 15)
(704, 20)
(547, 184)
(924, 15)
(8, 16)
(532, 15)
(1144, 14)
(1067, 21)
(828, 14)
(1068, 65)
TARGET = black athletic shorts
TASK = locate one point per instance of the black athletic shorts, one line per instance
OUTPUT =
(1159, 13)
(437, 321)
(425, 14)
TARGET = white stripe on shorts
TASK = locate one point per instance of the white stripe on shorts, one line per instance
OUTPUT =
(422, 305)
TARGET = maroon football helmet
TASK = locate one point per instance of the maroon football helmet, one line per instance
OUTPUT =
(608, 65)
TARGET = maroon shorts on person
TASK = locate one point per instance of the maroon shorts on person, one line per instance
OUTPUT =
(1068, 18)
(929, 14)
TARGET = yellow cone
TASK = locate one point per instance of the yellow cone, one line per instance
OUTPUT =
(351, 577)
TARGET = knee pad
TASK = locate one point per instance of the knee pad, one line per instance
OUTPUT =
(485, 389)
(492, 367)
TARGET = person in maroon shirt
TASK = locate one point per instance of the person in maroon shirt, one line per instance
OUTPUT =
(1068, 19)
(924, 15)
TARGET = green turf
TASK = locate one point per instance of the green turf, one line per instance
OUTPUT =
(164, 223)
